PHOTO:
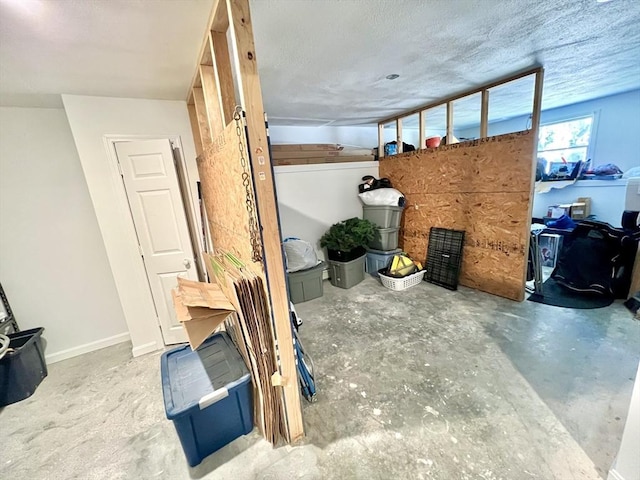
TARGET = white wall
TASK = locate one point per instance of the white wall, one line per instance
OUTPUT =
(365, 136)
(627, 464)
(53, 263)
(607, 198)
(94, 120)
(311, 198)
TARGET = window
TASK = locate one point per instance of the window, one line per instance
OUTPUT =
(564, 144)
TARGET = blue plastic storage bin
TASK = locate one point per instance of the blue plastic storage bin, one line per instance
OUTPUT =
(378, 259)
(208, 395)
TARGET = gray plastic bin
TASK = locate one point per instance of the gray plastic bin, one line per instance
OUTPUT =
(306, 284)
(386, 239)
(382, 216)
(347, 274)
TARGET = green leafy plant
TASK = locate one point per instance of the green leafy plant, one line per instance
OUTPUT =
(348, 235)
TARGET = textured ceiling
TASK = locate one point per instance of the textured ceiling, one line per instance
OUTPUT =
(325, 62)
(120, 48)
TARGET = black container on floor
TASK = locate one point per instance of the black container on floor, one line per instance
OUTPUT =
(22, 369)
(340, 256)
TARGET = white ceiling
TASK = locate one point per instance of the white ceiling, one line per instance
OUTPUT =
(325, 61)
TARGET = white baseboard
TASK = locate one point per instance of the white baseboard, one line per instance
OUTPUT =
(146, 348)
(86, 348)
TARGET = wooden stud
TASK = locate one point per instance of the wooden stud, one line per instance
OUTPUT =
(466, 93)
(251, 100)
(449, 123)
(484, 114)
(399, 135)
(422, 140)
(201, 114)
(211, 99)
(195, 128)
(222, 61)
(537, 101)
(380, 140)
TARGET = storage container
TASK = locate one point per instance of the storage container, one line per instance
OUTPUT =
(377, 259)
(382, 216)
(22, 369)
(305, 285)
(207, 394)
(347, 274)
(385, 239)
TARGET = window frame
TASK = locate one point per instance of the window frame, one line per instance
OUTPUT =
(569, 118)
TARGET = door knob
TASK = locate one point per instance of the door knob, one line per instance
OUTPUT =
(187, 263)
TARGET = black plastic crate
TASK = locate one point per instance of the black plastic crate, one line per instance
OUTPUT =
(444, 257)
(23, 367)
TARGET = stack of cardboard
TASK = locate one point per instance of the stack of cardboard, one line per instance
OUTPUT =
(251, 330)
(201, 308)
(311, 153)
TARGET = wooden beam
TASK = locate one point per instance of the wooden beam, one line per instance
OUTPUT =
(201, 114)
(251, 100)
(221, 17)
(535, 130)
(195, 82)
(399, 135)
(422, 126)
(380, 140)
(484, 114)
(222, 61)
(510, 78)
(195, 128)
(449, 123)
(537, 101)
(211, 99)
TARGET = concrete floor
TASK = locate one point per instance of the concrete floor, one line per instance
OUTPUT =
(422, 384)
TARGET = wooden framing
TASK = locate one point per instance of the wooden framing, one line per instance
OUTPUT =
(211, 103)
(422, 125)
(484, 113)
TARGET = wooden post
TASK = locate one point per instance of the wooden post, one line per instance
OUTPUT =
(251, 100)
(222, 62)
(201, 113)
(422, 126)
(449, 122)
(399, 135)
(537, 101)
(380, 140)
(211, 99)
(484, 114)
(195, 128)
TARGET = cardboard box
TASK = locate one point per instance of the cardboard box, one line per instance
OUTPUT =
(201, 308)
(577, 210)
(582, 208)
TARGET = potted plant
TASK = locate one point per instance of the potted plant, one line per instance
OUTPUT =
(346, 240)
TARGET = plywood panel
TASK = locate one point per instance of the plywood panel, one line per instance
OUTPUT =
(224, 194)
(482, 187)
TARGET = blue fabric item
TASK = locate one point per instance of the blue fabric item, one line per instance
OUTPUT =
(564, 222)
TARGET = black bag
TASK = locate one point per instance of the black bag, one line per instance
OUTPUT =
(597, 259)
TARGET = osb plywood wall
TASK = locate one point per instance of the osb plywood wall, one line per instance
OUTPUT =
(222, 185)
(482, 187)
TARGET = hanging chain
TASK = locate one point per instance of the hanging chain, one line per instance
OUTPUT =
(254, 233)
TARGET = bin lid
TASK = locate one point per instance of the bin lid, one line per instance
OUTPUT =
(189, 376)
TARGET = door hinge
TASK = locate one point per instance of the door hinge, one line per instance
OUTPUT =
(140, 250)
(120, 169)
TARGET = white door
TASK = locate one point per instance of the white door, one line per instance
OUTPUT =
(151, 183)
